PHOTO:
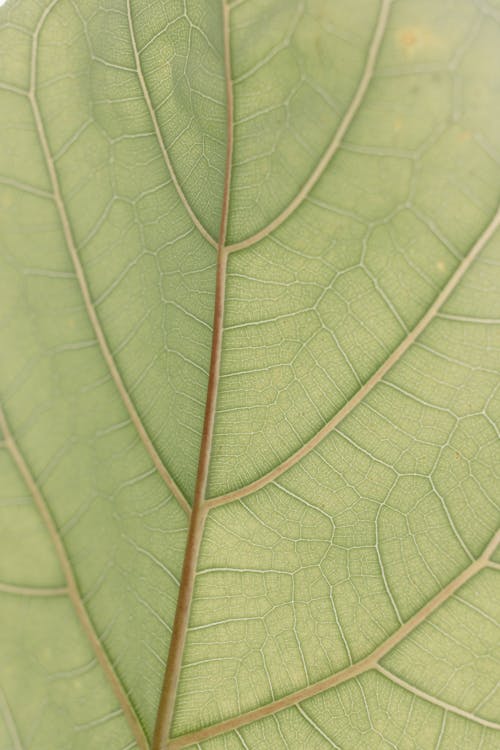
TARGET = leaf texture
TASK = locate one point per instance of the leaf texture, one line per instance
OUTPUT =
(250, 403)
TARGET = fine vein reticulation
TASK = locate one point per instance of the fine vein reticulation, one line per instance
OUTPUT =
(375, 378)
(89, 305)
(204, 507)
(371, 662)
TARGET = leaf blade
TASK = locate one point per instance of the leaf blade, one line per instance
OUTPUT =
(352, 470)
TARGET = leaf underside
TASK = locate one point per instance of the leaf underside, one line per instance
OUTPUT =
(249, 384)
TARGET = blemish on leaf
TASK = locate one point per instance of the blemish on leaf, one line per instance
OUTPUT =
(407, 37)
(413, 39)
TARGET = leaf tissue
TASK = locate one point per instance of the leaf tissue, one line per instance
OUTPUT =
(249, 374)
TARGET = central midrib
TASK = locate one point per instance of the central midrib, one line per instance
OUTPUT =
(200, 509)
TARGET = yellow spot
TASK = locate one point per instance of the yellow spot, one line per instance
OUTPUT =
(414, 39)
(407, 37)
(441, 266)
(464, 135)
(398, 124)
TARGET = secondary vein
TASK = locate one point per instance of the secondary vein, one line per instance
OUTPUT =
(377, 376)
(82, 281)
(355, 670)
(72, 586)
(158, 134)
(337, 138)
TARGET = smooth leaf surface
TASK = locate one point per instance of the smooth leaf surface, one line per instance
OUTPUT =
(249, 384)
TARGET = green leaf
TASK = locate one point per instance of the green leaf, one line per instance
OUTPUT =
(250, 326)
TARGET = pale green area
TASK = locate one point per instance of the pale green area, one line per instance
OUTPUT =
(313, 572)
(34, 562)
(56, 693)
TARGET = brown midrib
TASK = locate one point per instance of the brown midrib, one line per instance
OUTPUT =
(355, 670)
(373, 380)
(195, 533)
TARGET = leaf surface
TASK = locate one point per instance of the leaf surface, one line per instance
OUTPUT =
(250, 401)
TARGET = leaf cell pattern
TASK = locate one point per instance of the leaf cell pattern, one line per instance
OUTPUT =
(250, 397)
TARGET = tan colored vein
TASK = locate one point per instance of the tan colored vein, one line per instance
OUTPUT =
(197, 521)
(9, 722)
(145, 92)
(12, 588)
(436, 701)
(337, 139)
(195, 532)
(316, 728)
(375, 378)
(82, 281)
(72, 586)
(370, 662)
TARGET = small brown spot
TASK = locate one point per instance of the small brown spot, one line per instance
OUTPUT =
(414, 39)
(407, 37)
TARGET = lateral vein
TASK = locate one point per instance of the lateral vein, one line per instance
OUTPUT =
(396, 355)
(72, 586)
(9, 722)
(337, 138)
(43, 591)
(147, 98)
(436, 701)
(82, 281)
(355, 670)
